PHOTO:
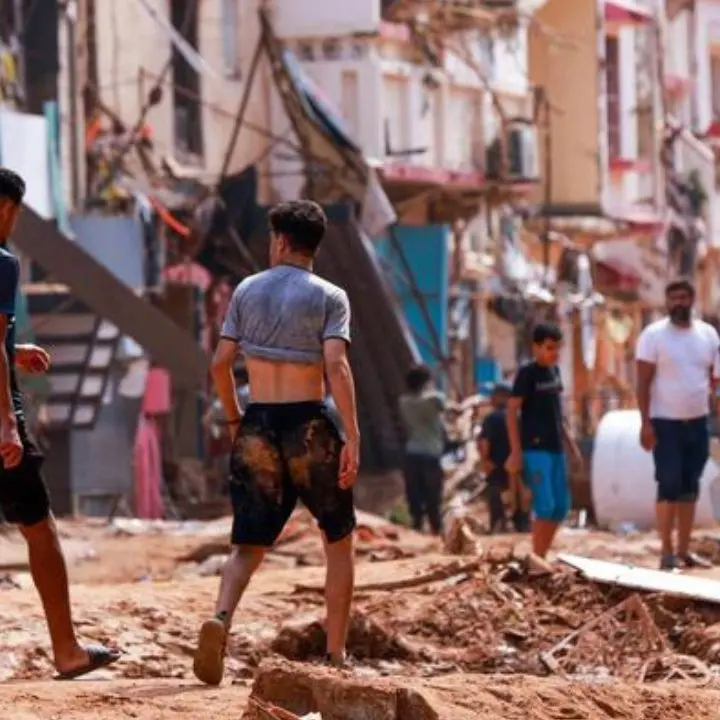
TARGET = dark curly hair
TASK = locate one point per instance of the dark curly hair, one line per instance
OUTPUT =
(417, 378)
(302, 222)
(12, 186)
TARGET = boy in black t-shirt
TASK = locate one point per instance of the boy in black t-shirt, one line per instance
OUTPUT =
(537, 434)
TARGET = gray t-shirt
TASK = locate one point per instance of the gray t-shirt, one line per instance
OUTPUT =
(422, 416)
(285, 314)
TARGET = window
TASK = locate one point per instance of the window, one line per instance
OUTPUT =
(433, 127)
(187, 101)
(612, 73)
(461, 148)
(397, 114)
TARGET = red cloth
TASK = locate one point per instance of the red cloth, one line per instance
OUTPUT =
(148, 470)
(157, 392)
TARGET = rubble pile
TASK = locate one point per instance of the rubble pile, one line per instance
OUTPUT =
(500, 617)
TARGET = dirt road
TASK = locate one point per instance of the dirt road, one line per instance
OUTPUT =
(134, 586)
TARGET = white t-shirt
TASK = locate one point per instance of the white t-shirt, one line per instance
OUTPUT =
(683, 359)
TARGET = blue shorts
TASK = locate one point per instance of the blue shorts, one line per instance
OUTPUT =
(682, 448)
(545, 473)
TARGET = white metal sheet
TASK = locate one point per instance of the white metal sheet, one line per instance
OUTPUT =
(637, 578)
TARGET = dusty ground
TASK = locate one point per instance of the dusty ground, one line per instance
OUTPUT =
(471, 632)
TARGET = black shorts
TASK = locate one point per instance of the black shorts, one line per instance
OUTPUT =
(24, 499)
(285, 452)
(682, 449)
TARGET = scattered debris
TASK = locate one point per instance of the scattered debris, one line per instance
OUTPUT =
(273, 712)
(622, 636)
(305, 638)
(436, 574)
(671, 666)
(8, 582)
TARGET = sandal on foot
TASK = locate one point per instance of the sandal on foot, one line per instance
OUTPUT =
(209, 663)
(98, 657)
(692, 560)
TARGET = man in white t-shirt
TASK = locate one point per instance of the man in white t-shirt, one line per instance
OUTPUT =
(678, 363)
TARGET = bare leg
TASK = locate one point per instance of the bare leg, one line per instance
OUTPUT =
(339, 586)
(685, 521)
(209, 664)
(665, 513)
(49, 573)
(240, 567)
(543, 534)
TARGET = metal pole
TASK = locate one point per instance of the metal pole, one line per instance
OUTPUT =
(548, 186)
(243, 107)
(71, 19)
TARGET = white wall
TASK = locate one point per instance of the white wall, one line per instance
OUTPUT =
(131, 45)
(364, 78)
(678, 61)
(707, 31)
(298, 19)
(511, 62)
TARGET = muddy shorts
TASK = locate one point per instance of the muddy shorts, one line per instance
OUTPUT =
(285, 453)
(24, 499)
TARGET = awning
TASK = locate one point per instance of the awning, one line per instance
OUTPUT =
(622, 165)
(615, 274)
(626, 12)
(637, 220)
(316, 106)
(423, 174)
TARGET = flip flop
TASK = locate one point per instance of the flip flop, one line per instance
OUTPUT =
(98, 657)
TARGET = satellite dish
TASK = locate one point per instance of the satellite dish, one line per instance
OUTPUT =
(587, 326)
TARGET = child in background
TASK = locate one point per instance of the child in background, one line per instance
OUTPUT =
(494, 449)
(537, 432)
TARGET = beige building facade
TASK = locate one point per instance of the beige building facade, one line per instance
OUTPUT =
(122, 50)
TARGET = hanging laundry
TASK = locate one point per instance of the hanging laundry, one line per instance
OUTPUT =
(148, 470)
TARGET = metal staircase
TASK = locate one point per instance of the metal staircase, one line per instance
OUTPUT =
(103, 307)
(83, 347)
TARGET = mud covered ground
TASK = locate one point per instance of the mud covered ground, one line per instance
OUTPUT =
(468, 634)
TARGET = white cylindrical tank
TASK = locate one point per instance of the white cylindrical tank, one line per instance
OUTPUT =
(623, 477)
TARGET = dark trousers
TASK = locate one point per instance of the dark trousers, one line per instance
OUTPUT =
(497, 484)
(424, 479)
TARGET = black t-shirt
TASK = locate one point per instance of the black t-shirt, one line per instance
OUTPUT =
(540, 388)
(9, 280)
(494, 430)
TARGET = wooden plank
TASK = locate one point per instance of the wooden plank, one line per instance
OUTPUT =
(637, 578)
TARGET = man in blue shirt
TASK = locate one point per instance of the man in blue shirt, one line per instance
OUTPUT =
(24, 499)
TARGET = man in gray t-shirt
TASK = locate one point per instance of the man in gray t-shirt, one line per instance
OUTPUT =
(422, 410)
(293, 328)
